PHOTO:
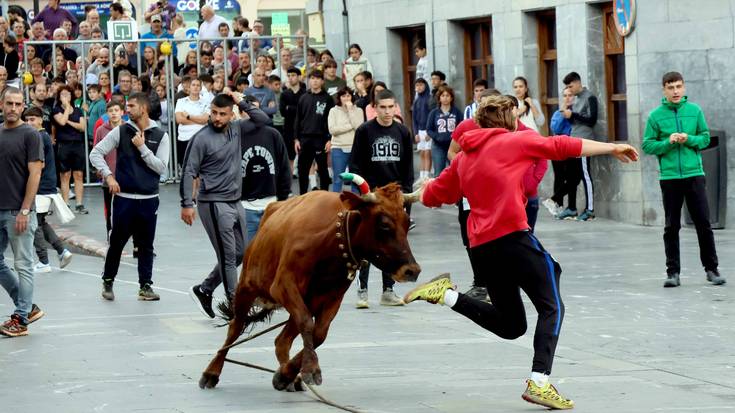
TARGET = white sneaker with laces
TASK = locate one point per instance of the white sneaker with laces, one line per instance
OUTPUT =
(41, 267)
(65, 258)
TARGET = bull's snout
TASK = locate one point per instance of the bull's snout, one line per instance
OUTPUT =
(408, 272)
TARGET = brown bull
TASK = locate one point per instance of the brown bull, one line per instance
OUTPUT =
(303, 259)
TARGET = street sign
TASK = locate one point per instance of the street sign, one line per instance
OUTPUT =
(122, 30)
(624, 15)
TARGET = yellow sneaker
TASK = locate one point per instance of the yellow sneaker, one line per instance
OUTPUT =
(546, 396)
(432, 291)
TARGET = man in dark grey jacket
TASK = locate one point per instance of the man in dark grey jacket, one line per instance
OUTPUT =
(213, 156)
(583, 117)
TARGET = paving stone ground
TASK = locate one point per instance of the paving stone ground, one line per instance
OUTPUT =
(627, 344)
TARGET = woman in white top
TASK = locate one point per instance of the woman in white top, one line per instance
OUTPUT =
(356, 63)
(192, 113)
(343, 121)
(529, 110)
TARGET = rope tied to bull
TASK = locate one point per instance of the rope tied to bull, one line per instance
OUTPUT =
(319, 396)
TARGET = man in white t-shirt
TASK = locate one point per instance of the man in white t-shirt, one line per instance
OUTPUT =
(192, 113)
(209, 28)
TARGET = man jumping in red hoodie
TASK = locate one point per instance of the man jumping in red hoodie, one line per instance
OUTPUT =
(489, 172)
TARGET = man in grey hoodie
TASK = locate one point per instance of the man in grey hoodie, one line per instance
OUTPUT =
(583, 117)
(213, 156)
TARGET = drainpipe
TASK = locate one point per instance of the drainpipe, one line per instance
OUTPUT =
(345, 27)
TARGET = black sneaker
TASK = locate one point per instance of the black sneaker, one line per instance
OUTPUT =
(672, 280)
(202, 300)
(477, 293)
(411, 224)
(107, 293)
(80, 209)
(715, 278)
(146, 293)
(35, 314)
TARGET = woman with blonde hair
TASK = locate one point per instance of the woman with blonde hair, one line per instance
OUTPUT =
(508, 257)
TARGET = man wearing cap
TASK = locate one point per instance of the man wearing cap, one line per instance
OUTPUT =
(156, 32)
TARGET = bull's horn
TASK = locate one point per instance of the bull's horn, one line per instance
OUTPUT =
(370, 197)
(362, 185)
(414, 196)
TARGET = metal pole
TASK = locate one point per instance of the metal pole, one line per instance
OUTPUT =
(139, 54)
(53, 58)
(227, 60)
(198, 55)
(172, 122)
(86, 123)
(278, 57)
(22, 82)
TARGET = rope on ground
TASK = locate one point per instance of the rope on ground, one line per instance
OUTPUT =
(311, 388)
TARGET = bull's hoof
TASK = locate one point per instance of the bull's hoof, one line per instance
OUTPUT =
(296, 386)
(314, 378)
(208, 380)
(280, 381)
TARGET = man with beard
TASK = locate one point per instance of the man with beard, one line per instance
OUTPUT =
(214, 156)
(142, 149)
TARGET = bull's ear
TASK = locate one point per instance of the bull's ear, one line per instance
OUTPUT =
(350, 200)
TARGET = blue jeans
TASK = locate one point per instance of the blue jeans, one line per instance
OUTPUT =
(439, 158)
(20, 286)
(340, 159)
(252, 221)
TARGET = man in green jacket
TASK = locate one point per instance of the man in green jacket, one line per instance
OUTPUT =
(676, 132)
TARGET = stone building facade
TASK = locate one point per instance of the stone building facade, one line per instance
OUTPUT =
(545, 39)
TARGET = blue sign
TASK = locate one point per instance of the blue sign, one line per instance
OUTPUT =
(624, 15)
(77, 9)
(192, 33)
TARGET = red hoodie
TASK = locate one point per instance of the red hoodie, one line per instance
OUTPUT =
(535, 172)
(489, 172)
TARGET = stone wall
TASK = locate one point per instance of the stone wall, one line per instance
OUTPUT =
(668, 35)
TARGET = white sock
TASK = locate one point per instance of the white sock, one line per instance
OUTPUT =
(312, 181)
(424, 174)
(539, 378)
(450, 298)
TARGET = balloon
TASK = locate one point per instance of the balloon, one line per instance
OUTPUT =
(27, 78)
(166, 48)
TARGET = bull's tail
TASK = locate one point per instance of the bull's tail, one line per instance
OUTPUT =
(254, 316)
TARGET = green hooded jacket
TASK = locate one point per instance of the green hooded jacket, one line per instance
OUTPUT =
(677, 160)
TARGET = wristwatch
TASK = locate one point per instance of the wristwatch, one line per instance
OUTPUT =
(25, 212)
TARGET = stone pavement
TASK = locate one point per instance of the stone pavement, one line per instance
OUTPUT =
(627, 344)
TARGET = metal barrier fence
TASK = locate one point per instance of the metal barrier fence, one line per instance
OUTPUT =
(169, 70)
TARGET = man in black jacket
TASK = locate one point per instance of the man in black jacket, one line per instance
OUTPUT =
(382, 152)
(312, 131)
(292, 92)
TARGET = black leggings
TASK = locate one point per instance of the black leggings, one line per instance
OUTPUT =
(507, 265)
(45, 234)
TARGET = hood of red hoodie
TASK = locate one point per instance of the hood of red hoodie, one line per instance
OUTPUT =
(473, 140)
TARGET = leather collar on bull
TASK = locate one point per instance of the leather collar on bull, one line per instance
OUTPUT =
(343, 235)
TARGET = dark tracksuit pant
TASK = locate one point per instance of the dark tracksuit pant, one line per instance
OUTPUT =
(312, 148)
(692, 191)
(44, 233)
(578, 169)
(507, 265)
(226, 228)
(132, 218)
(560, 181)
(464, 215)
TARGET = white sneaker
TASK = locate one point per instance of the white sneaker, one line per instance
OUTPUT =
(65, 258)
(554, 208)
(41, 267)
(362, 299)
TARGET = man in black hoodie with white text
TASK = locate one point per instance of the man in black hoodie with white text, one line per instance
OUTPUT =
(266, 174)
(382, 153)
(312, 132)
